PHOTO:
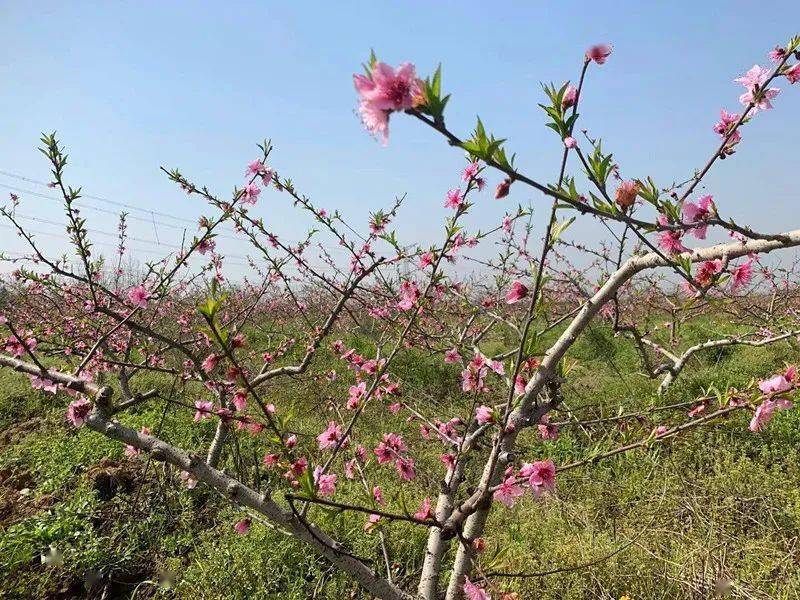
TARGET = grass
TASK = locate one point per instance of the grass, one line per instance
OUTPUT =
(719, 506)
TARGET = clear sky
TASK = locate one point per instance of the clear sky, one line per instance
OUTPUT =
(135, 85)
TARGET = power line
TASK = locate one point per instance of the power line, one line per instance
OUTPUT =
(149, 221)
(131, 249)
(110, 212)
(330, 249)
(101, 199)
(150, 251)
(107, 234)
(89, 207)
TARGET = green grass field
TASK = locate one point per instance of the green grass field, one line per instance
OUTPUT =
(716, 508)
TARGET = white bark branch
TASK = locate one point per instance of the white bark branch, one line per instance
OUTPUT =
(472, 513)
(239, 493)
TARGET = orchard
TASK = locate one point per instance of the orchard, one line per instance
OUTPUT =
(388, 415)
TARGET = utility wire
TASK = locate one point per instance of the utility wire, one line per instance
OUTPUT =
(63, 237)
(149, 220)
(101, 199)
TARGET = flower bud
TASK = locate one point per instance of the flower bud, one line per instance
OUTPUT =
(502, 189)
(626, 194)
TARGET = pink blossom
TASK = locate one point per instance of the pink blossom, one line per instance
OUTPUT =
(502, 189)
(270, 460)
(742, 275)
(547, 430)
(777, 54)
(775, 385)
(698, 213)
(452, 356)
(330, 437)
(350, 469)
(448, 460)
(626, 193)
(372, 522)
(203, 410)
(472, 378)
(78, 411)
(570, 96)
(46, 385)
(473, 592)
(299, 466)
(454, 199)
(698, 409)
(250, 194)
(517, 292)
(17, 346)
(409, 294)
(138, 296)
(497, 367)
(255, 168)
(375, 120)
(756, 76)
(356, 393)
(725, 125)
(761, 100)
(660, 430)
(405, 468)
(688, 289)
(753, 81)
(484, 415)
(508, 492)
(240, 400)
(540, 474)
(243, 526)
(424, 512)
(390, 89)
(707, 271)
(670, 240)
(390, 447)
(378, 495)
(371, 367)
(210, 363)
(206, 245)
(291, 441)
(326, 484)
(765, 412)
(425, 260)
(570, 142)
(599, 53)
(470, 171)
(793, 73)
(384, 91)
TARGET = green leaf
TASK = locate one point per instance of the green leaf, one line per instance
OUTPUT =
(436, 85)
(306, 481)
(480, 131)
(559, 229)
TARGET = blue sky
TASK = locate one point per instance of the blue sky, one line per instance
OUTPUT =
(132, 86)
